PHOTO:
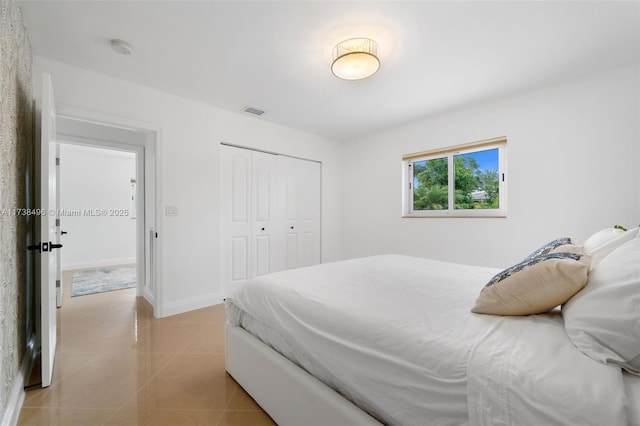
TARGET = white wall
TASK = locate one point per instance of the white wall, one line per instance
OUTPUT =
(572, 155)
(188, 174)
(95, 179)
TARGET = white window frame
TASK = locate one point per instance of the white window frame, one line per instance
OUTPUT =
(407, 180)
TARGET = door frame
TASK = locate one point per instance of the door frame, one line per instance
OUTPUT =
(147, 246)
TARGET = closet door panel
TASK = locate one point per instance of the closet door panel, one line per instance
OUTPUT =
(288, 207)
(265, 211)
(309, 207)
(263, 255)
(300, 205)
(309, 253)
(236, 216)
(262, 187)
(290, 250)
(240, 189)
(239, 258)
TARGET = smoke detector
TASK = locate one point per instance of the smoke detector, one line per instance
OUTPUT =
(122, 47)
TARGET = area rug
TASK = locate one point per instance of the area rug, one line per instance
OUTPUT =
(103, 279)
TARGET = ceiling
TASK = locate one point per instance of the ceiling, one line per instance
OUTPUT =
(275, 55)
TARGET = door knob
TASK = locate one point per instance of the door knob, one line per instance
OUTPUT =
(63, 232)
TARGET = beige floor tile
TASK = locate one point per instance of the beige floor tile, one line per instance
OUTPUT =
(167, 336)
(189, 381)
(208, 315)
(107, 381)
(100, 386)
(66, 365)
(241, 400)
(84, 337)
(133, 414)
(245, 418)
(118, 365)
(62, 417)
(114, 306)
(209, 341)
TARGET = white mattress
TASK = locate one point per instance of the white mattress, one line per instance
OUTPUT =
(394, 334)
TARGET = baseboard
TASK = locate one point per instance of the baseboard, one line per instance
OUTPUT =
(149, 297)
(190, 304)
(98, 263)
(11, 413)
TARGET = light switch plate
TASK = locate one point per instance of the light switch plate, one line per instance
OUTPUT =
(172, 210)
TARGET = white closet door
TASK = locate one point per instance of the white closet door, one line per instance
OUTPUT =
(270, 214)
(265, 210)
(300, 198)
(236, 216)
(289, 226)
(309, 178)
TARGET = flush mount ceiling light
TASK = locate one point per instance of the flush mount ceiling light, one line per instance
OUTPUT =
(121, 46)
(355, 59)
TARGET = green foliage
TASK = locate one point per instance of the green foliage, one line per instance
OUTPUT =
(432, 181)
(465, 169)
(435, 197)
(474, 188)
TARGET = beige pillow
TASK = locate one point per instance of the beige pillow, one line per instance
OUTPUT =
(569, 248)
(535, 285)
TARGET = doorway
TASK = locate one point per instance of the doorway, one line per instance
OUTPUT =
(81, 136)
(97, 203)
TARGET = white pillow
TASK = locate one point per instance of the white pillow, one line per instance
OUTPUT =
(603, 320)
(600, 244)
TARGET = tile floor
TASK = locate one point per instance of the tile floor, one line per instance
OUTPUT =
(117, 365)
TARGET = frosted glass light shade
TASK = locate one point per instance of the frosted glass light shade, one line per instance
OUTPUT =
(355, 59)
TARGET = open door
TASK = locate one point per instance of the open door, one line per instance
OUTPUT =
(47, 229)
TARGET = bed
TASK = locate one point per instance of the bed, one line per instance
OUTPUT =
(391, 340)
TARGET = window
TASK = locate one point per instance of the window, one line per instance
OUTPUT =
(465, 180)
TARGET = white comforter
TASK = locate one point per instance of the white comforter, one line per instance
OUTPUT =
(395, 335)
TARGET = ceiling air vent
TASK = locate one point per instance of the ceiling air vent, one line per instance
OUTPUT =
(254, 111)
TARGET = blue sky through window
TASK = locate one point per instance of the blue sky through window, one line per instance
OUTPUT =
(487, 159)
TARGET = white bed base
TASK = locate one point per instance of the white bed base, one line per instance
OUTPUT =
(290, 395)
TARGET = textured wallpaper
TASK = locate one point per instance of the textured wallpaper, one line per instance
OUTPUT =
(16, 150)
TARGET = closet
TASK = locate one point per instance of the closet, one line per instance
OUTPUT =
(270, 213)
